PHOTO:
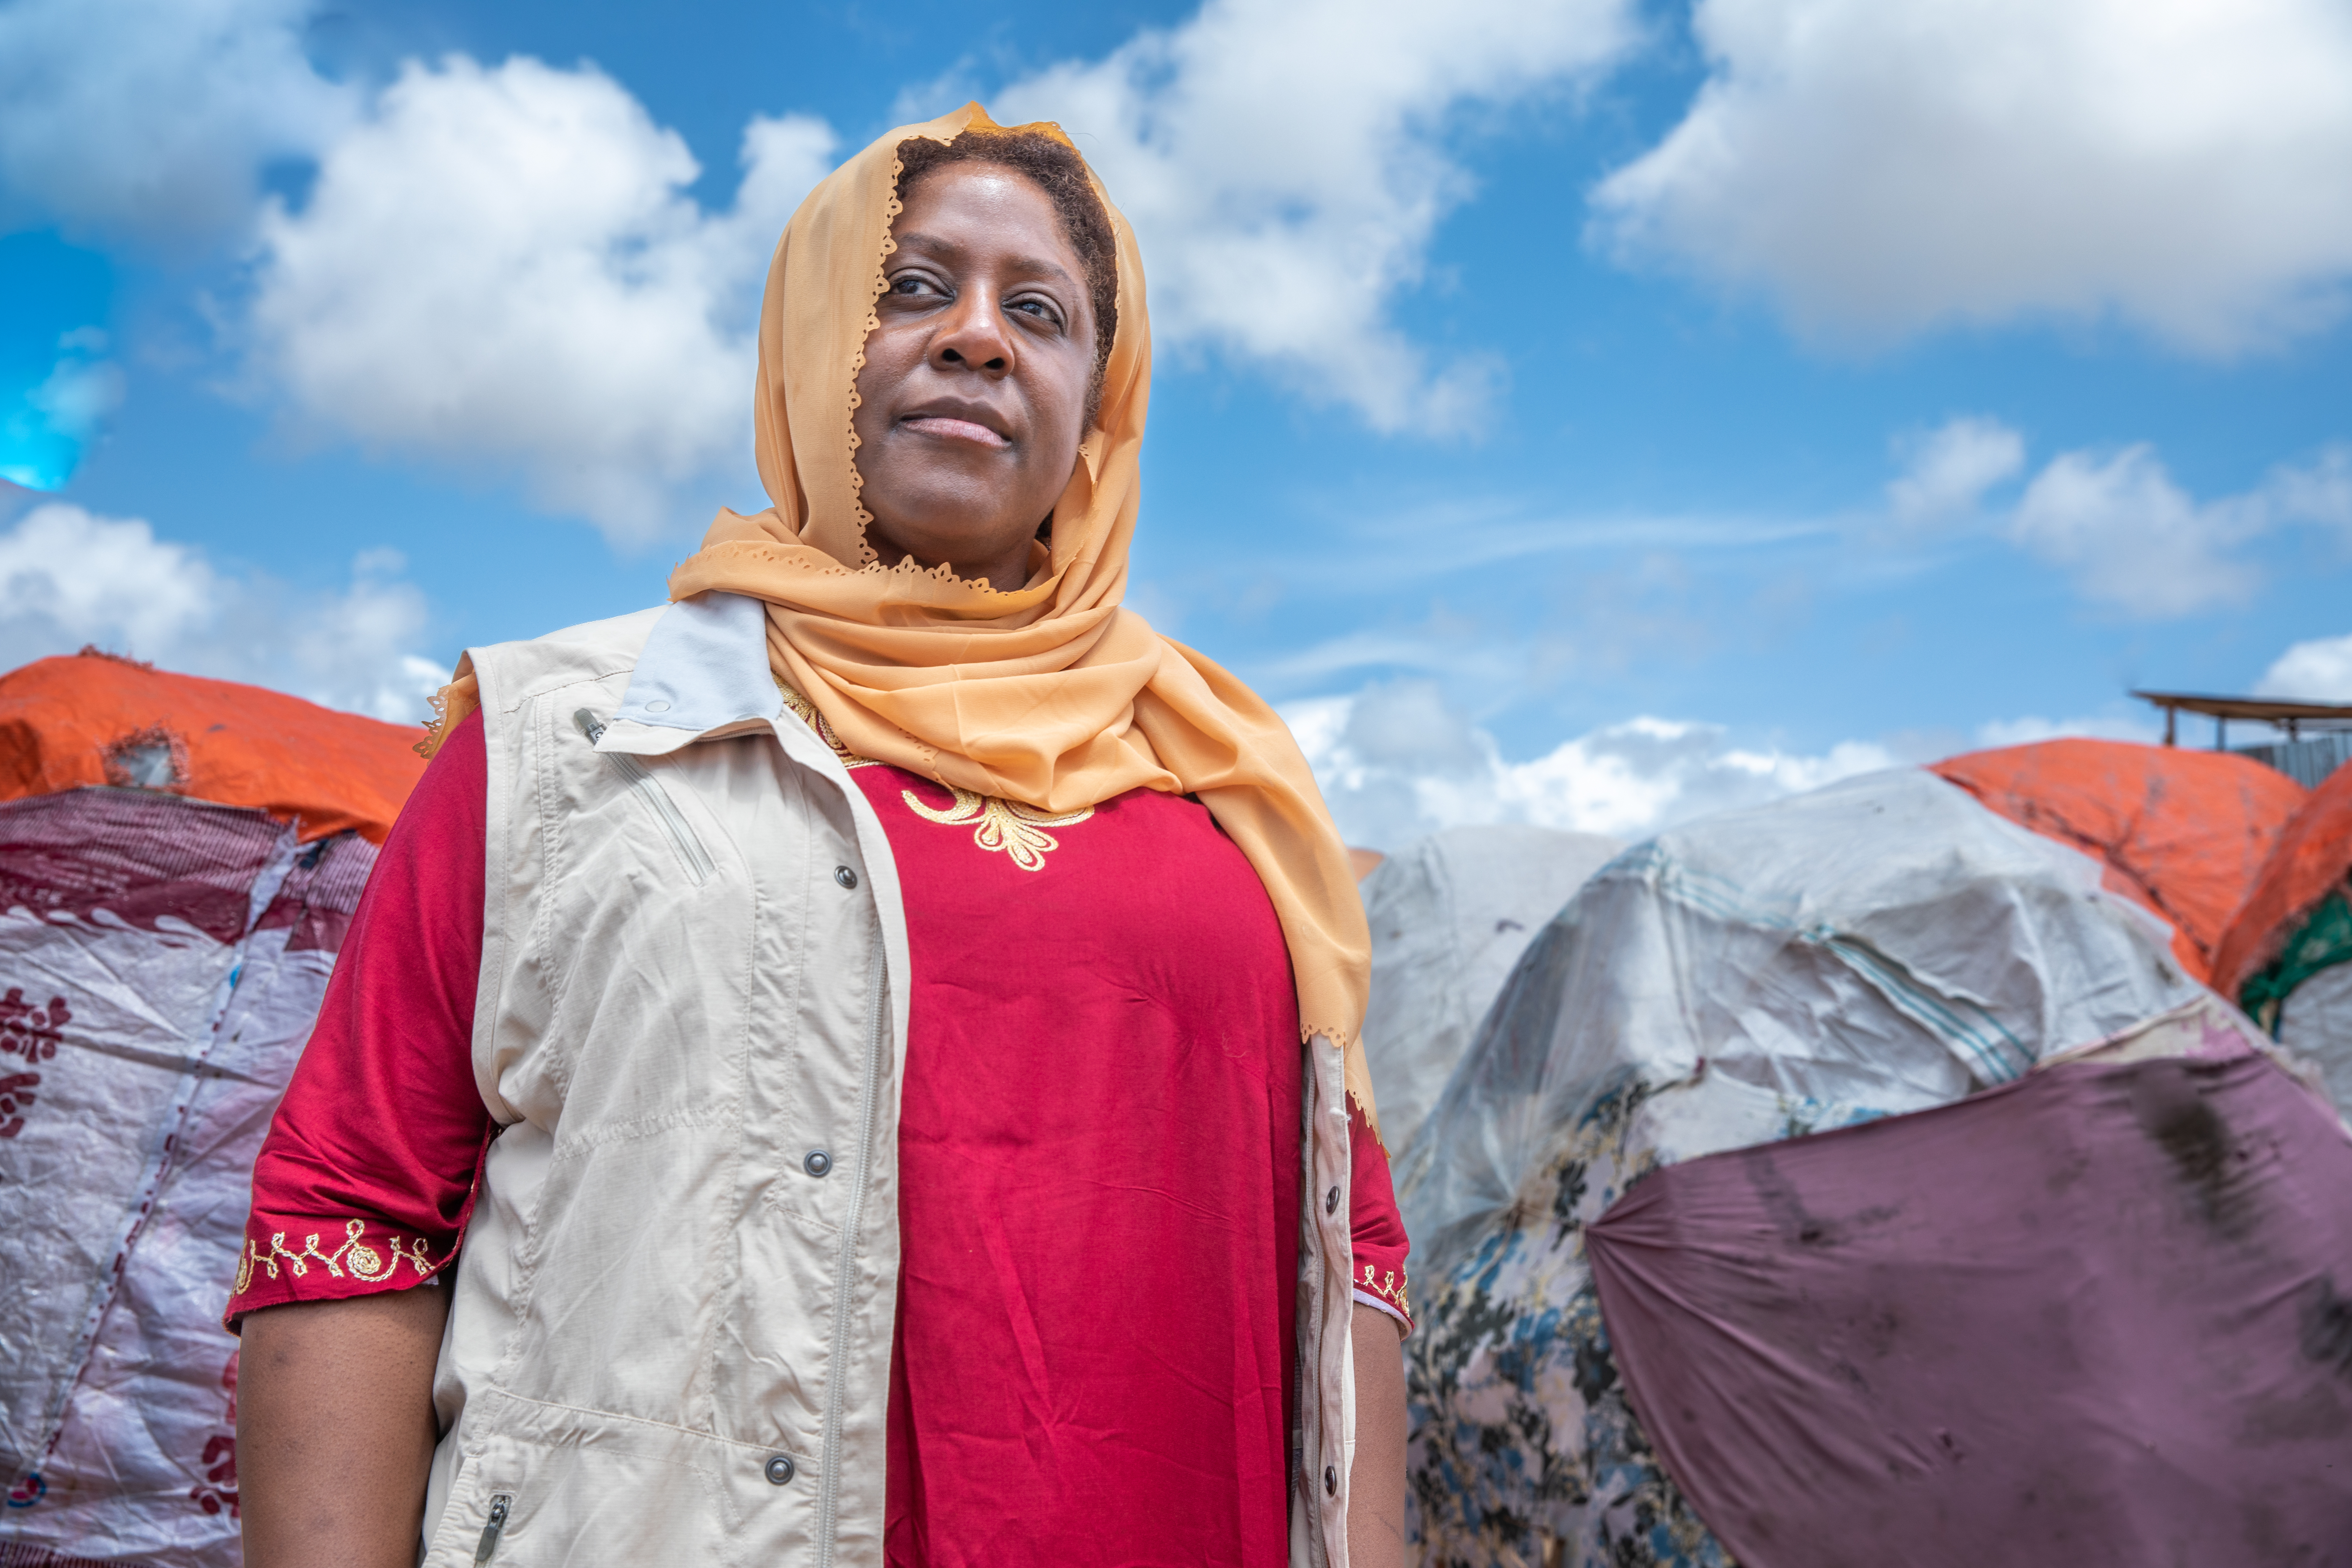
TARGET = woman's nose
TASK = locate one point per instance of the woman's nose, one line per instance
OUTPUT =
(973, 334)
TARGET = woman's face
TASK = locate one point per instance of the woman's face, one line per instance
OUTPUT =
(974, 391)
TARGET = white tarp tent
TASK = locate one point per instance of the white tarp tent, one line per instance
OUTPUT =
(161, 961)
(1879, 946)
(1449, 916)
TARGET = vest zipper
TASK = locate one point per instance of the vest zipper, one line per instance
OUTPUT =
(500, 1504)
(699, 867)
(829, 1492)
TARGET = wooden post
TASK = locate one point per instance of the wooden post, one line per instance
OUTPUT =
(2170, 715)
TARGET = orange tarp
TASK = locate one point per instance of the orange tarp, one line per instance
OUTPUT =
(93, 719)
(2311, 857)
(2185, 833)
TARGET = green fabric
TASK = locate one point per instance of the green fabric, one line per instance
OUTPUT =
(2326, 940)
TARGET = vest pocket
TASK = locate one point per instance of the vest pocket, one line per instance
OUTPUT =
(691, 854)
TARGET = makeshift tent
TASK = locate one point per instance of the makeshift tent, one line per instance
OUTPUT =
(161, 960)
(1884, 945)
(2088, 1320)
(1450, 915)
(93, 719)
(2182, 832)
(2287, 956)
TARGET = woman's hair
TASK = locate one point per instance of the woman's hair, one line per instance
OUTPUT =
(1061, 173)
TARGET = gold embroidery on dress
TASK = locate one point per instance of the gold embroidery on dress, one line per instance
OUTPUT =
(815, 721)
(353, 1259)
(1006, 825)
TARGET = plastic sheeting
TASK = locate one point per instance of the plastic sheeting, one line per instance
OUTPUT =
(2099, 1316)
(161, 961)
(1449, 916)
(93, 719)
(2310, 864)
(1883, 945)
(2316, 1025)
(2182, 832)
(1886, 942)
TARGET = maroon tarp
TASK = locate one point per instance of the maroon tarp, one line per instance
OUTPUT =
(2099, 1316)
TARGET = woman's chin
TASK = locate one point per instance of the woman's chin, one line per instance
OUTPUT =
(970, 547)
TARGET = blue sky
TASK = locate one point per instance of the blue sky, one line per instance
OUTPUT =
(1587, 412)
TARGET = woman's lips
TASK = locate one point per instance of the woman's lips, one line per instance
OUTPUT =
(949, 429)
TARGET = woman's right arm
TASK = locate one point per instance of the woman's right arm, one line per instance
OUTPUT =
(335, 1428)
(370, 1159)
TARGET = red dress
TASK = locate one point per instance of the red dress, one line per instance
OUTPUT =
(1098, 1161)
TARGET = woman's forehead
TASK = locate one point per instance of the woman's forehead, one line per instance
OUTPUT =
(957, 211)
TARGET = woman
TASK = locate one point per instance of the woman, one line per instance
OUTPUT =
(870, 990)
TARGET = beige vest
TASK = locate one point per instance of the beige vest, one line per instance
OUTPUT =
(669, 1337)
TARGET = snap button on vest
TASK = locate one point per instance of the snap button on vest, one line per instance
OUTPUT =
(1330, 1481)
(845, 876)
(1332, 1200)
(817, 1164)
(779, 1470)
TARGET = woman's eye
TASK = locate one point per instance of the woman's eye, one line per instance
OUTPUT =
(911, 285)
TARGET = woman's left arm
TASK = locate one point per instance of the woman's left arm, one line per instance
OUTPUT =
(1375, 1481)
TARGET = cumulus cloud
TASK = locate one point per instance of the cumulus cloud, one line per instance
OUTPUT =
(2134, 539)
(68, 577)
(1284, 166)
(2319, 670)
(1950, 471)
(1885, 168)
(499, 270)
(1395, 763)
(154, 118)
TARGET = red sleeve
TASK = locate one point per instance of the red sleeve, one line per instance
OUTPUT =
(367, 1176)
(1376, 1230)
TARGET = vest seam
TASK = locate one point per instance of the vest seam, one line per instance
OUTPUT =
(829, 1494)
(575, 1145)
(542, 949)
(500, 1391)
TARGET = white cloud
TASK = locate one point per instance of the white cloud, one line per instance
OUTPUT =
(68, 577)
(2319, 670)
(1885, 168)
(1950, 471)
(1394, 763)
(2133, 537)
(499, 270)
(2137, 541)
(79, 577)
(1284, 164)
(154, 118)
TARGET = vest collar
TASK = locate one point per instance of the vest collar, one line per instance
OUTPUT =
(703, 673)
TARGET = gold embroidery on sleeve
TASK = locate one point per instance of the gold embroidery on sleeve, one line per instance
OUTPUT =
(1392, 1289)
(355, 1259)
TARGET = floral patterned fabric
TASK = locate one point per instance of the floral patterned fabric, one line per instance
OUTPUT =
(1523, 1448)
(1524, 1451)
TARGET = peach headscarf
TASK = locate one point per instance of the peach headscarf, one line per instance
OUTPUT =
(1054, 694)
